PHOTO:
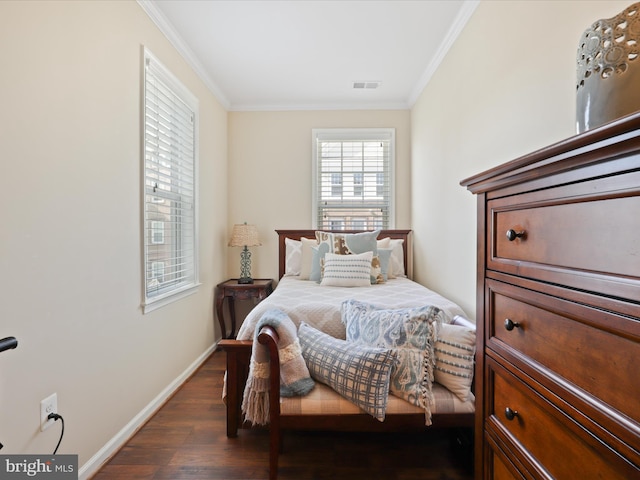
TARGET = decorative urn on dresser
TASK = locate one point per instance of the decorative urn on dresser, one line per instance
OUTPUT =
(608, 69)
(558, 310)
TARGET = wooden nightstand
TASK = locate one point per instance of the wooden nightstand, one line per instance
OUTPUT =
(232, 290)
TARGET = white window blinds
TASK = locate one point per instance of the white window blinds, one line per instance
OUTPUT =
(170, 159)
(353, 178)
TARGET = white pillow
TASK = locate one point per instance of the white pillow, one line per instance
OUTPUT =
(384, 242)
(454, 352)
(347, 270)
(293, 256)
(306, 259)
(396, 262)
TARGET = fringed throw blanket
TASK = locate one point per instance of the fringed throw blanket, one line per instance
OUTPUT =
(294, 374)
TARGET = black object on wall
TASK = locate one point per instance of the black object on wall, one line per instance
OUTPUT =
(8, 343)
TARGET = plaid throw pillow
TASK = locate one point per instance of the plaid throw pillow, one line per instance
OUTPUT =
(358, 373)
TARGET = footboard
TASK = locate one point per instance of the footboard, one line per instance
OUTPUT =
(330, 415)
(238, 358)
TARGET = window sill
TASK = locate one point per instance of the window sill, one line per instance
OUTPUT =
(151, 304)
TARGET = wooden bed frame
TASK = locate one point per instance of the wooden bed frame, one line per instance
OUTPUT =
(238, 358)
(239, 351)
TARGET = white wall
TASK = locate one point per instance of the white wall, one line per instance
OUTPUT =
(506, 88)
(70, 249)
(270, 173)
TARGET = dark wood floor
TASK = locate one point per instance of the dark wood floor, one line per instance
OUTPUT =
(187, 439)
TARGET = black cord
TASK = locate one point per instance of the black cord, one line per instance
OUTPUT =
(55, 416)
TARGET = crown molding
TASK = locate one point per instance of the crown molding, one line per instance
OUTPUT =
(316, 107)
(183, 49)
(456, 28)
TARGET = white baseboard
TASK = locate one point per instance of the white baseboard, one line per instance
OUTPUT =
(112, 446)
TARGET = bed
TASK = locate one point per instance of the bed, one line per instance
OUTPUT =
(319, 306)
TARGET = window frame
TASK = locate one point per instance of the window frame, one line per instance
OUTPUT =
(345, 135)
(180, 188)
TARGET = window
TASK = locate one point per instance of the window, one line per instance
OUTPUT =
(336, 225)
(170, 186)
(353, 178)
(336, 184)
(358, 184)
(358, 223)
(157, 271)
(380, 184)
(157, 232)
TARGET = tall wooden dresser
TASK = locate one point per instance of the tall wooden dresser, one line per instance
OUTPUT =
(558, 310)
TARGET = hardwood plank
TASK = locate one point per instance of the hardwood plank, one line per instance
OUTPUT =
(187, 439)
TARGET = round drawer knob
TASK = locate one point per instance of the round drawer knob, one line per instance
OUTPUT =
(510, 324)
(510, 414)
(512, 234)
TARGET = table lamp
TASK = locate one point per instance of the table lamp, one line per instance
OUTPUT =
(244, 235)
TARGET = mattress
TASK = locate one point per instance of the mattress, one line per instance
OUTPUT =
(323, 400)
(319, 306)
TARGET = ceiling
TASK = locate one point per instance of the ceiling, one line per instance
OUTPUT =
(307, 55)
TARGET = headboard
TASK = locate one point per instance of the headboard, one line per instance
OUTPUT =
(298, 234)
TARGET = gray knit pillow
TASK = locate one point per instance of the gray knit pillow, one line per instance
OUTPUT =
(358, 373)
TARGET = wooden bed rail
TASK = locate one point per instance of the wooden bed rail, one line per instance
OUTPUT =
(269, 337)
(238, 358)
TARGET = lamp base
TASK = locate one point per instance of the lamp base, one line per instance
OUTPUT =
(245, 267)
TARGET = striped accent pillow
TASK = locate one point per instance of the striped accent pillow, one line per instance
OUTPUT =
(358, 373)
(454, 351)
(347, 270)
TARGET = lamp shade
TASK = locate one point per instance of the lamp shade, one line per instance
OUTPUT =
(244, 235)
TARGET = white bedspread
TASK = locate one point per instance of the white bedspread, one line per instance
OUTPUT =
(319, 306)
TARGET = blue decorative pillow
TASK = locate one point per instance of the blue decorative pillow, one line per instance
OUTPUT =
(384, 256)
(410, 332)
(358, 373)
(318, 260)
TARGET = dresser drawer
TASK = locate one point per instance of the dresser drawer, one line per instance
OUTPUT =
(544, 437)
(500, 470)
(584, 236)
(574, 341)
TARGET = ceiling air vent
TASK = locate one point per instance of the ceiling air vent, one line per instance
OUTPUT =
(370, 85)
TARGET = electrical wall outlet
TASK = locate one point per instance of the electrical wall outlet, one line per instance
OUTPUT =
(47, 406)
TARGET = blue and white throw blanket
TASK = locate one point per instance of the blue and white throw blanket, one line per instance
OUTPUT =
(295, 379)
